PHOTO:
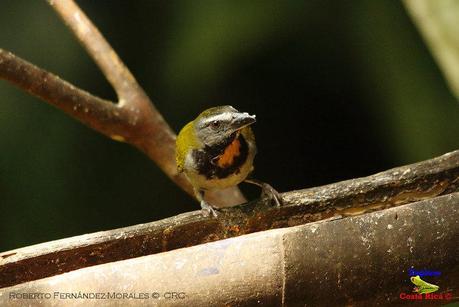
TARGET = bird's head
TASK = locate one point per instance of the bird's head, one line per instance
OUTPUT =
(215, 125)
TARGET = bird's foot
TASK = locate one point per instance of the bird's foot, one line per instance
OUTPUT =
(267, 191)
(207, 209)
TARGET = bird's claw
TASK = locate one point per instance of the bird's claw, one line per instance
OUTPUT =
(207, 209)
(267, 191)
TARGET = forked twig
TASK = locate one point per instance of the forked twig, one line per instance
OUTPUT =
(134, 119)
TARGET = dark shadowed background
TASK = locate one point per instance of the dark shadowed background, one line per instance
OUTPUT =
(340, 89)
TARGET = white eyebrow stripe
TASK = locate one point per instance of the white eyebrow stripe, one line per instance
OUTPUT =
(226, 116)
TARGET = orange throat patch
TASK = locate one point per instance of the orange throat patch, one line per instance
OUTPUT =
(231, 152)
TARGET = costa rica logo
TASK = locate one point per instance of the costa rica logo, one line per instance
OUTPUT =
(424, 290)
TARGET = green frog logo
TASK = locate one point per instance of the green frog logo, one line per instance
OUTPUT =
(422, 286)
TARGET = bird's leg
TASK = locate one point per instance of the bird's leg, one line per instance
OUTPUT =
(205, 207)
(267, 191)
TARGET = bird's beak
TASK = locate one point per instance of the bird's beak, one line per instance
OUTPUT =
(241, 120)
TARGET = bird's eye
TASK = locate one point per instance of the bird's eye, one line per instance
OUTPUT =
(215, 124)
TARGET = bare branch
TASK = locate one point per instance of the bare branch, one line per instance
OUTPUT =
(148, 130)
(97, 113)
(411, 183)
(134, 119)
(100, 50)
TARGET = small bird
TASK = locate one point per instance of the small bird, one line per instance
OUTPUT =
(216, 151)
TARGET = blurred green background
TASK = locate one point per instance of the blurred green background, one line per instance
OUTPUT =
(341, 89)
